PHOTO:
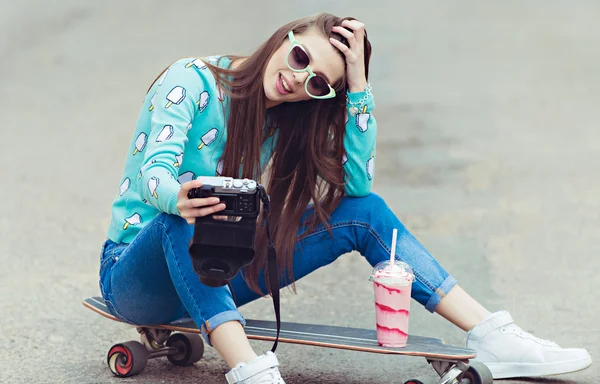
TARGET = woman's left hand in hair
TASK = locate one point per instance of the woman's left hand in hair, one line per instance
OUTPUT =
(355, 53)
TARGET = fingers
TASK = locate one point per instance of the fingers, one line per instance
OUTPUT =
(346, 33)
(355, 37)
(354, 25)
(341, 46)
(190, 214)
(199, 202)
(186, 187)
(356, 33)
(189, 209)
(205, 211)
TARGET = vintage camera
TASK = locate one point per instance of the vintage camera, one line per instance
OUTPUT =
(220, 248)
(241, 197)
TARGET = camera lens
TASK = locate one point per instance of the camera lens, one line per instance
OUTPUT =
(215, 273)
(215, 283)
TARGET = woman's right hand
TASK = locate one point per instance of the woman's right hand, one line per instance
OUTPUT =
(189, 209)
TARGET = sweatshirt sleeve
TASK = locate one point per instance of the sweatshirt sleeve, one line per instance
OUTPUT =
(175, 101)
(359, 145)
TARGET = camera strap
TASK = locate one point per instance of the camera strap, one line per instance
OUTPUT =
(271, 261)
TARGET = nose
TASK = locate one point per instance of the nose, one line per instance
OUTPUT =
(300, 77)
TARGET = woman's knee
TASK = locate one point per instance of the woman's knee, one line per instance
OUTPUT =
(365, 205)
(175, 224)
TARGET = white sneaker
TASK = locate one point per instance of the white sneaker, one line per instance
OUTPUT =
(262, 370)
(508, 351)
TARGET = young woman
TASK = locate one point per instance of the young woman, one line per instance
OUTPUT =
(301, 105)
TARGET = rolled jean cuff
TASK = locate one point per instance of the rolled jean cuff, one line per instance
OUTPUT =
(439, 293)
(223, 317)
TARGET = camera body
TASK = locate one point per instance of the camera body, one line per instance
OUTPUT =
(220, 248)
(241, 196)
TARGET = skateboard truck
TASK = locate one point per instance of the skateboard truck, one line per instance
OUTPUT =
(449, 371)
(461, 371)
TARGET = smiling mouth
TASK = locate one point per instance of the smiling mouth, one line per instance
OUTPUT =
(284, 84)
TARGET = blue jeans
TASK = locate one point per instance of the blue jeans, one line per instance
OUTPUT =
(151, 279)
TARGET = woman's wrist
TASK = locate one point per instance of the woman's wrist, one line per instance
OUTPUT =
(359, 102)
(359, 87)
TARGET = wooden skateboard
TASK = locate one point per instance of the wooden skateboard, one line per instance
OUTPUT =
(185, 346)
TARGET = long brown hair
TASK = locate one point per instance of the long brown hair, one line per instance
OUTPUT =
(307, 158)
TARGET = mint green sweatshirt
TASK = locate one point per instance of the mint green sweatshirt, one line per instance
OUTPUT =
(180, 134)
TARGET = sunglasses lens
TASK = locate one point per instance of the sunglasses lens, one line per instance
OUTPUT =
(298, 58)
(317, 86)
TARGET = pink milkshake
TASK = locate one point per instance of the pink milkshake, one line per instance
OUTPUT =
(392, 283)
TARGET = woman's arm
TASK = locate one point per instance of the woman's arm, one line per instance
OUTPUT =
(175, 102)
(359, 143)
(361, 130)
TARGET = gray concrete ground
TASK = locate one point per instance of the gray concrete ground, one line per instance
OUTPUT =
(488, 151)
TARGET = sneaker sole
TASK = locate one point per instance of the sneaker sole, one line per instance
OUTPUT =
(509, 370)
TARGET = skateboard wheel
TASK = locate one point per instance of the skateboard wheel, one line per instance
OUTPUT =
(189, 346)
(478, 373)
(414, 381)
(127, 359)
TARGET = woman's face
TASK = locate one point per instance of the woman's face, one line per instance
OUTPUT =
(284, 85)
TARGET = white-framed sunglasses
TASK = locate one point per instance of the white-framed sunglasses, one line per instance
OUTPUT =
(298, 61)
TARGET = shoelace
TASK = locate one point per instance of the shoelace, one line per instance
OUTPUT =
(517, 330)
(270, 376)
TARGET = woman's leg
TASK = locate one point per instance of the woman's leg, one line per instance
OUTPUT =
(365, 224)
(461, 309)
(152, 281)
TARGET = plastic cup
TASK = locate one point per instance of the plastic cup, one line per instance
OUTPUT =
(392, 284)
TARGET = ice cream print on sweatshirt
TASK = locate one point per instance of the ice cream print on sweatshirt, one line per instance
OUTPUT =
(208, 138)
(219, 168)
(186, 177)
(124, 186)
(153, 185)
(165, 134)
(140, 143)
(181, 133)
(362, 121)
(178, 160)
(370, 165)
(161, 79)
(203, 101)
(197, 63)
(134, 219)
(152, 100)
(176, 96)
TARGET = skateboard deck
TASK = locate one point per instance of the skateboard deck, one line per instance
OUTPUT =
(363, 340)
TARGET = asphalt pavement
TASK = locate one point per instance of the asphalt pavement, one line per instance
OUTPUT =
(488, 150)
